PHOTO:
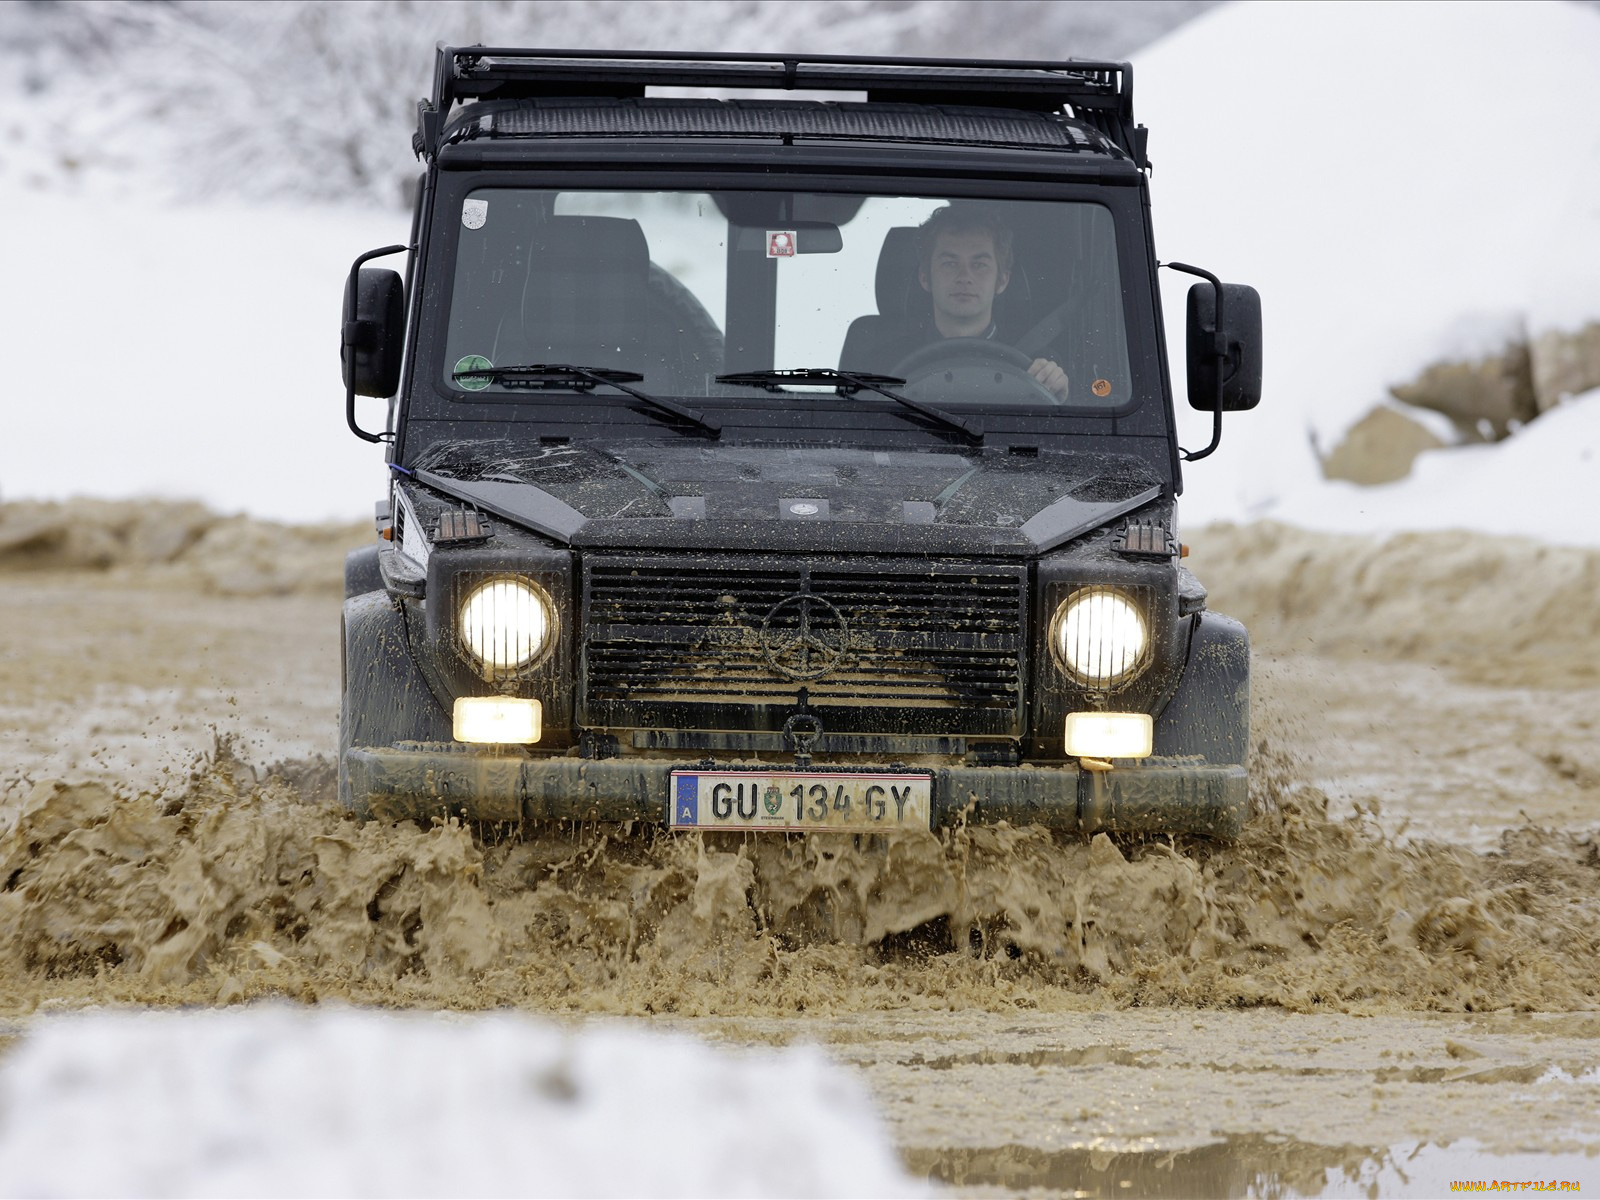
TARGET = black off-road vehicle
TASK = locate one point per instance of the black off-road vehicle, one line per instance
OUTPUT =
(786, 464)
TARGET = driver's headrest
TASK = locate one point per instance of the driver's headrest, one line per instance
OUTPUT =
(584, 298)
(1014, 301)
(897, 271)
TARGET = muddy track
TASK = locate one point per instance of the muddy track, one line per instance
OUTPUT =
(1425, 851)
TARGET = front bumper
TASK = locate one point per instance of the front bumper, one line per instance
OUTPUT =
(1158, 795)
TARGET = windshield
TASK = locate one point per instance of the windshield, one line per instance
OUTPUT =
(970, 303)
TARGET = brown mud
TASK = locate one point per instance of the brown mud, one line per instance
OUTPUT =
(1426, 840)
(229, 886)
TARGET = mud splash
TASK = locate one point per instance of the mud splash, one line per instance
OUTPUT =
(238, 884)
(234, 883)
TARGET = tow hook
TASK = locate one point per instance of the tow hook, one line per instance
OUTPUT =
(802, 731)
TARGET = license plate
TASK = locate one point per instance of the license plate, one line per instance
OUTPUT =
(798, 801)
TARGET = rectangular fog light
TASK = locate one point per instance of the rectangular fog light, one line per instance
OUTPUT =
(1109, 735)
(497, 720)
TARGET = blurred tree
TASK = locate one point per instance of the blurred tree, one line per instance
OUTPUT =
(316, 100)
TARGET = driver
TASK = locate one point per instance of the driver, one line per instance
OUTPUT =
(964, 254)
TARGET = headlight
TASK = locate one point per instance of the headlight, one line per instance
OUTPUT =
(505, 623)
(1100, 636)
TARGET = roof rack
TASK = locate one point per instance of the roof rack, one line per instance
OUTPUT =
(1098, 93)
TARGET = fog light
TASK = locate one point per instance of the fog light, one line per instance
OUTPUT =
(1109, 735)
(497, 720)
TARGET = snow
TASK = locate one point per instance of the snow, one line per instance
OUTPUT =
(188, 351)
(1539, 483)
(1402, 182)
(292, 1102)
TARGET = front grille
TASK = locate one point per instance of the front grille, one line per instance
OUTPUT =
(869, 646)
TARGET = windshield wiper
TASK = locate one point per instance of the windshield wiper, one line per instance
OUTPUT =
(583, 379)
(850, 382)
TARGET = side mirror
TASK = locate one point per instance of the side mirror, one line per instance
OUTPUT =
(374, 332)
(1239, 341)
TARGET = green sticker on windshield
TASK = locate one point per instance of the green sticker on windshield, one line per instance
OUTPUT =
(473, 362)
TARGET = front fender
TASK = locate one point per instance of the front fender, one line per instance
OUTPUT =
(1209, 714)
(385, 698)
(361, 572)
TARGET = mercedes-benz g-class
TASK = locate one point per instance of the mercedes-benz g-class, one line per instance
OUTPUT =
(786, 464)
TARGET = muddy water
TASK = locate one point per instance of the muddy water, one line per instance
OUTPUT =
(227, 885)
(1394, 966)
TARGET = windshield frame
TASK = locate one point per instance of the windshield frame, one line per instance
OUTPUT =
(748, 412)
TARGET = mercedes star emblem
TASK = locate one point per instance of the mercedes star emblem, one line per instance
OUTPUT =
(804, 636)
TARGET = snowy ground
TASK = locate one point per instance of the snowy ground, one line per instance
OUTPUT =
(286, 1102)
(1387, 203)
(1401, 182)
(184, 352)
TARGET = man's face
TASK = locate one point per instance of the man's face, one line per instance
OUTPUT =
(963, 278)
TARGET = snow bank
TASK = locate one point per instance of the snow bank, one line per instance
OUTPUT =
(1402, 182)
(1543, 482)
(286, 1102)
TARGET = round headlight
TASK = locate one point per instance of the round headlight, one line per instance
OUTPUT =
(505, 623)
(1100, 636)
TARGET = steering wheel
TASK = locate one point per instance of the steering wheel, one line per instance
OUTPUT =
(962, 350)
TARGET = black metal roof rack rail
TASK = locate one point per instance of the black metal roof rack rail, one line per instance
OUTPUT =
(1097, 93)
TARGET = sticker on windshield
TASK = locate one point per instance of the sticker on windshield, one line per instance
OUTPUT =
(474, 213)
(473, 362)
(780, 243)
(1101, 387)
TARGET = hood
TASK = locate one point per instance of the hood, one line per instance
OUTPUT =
(694, 495)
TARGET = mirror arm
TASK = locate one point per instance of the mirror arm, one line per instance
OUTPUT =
(1216, 435)
(353, 327)
(1219, 351)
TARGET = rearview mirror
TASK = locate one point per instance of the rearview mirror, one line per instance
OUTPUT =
(373, 332)
(1239, 343)
(797, 237)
